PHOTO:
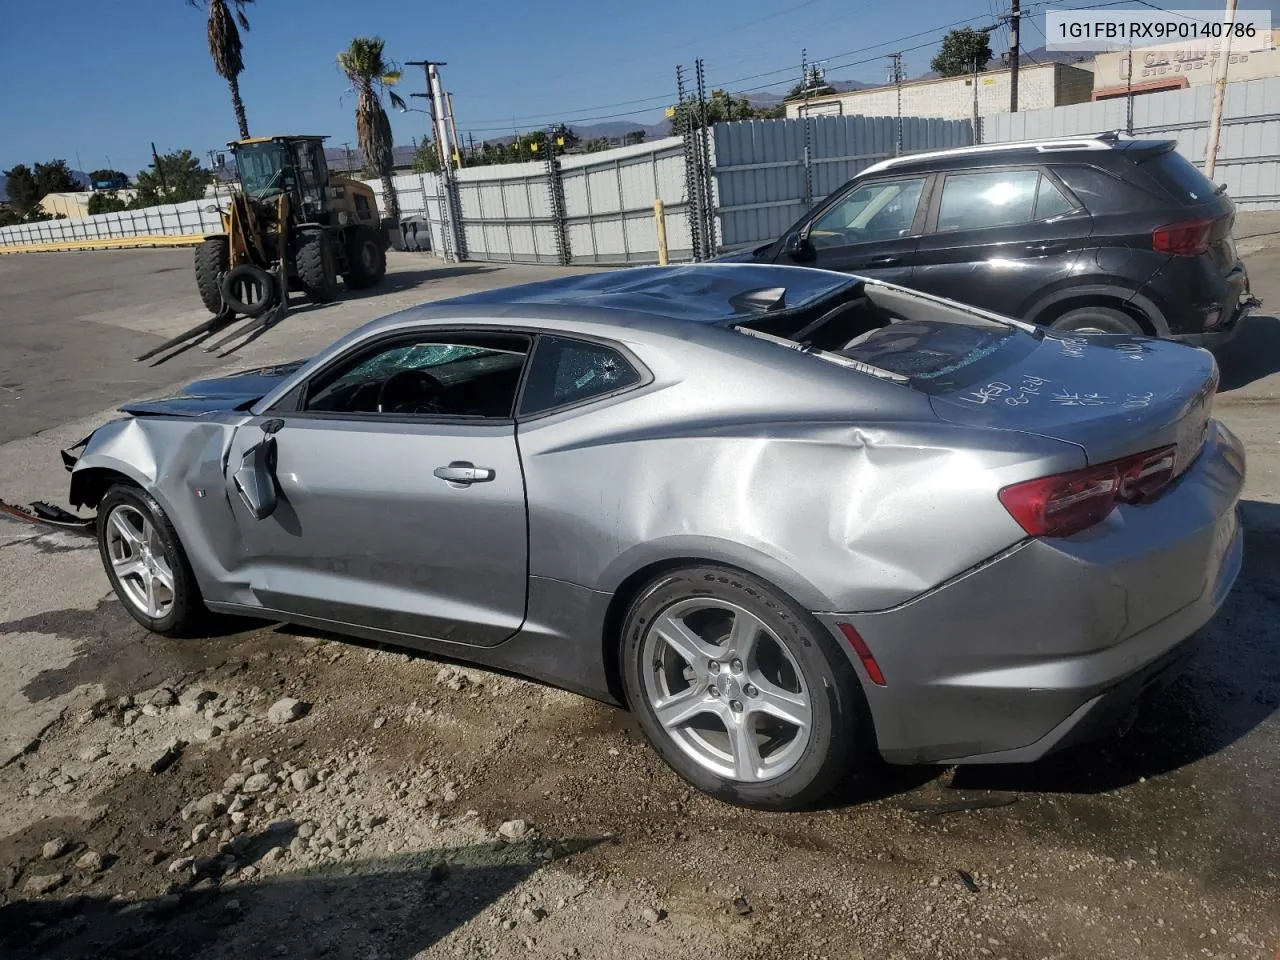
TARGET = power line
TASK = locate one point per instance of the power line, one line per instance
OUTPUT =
(788, 80)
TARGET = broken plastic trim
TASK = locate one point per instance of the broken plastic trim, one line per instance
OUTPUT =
(48, 515)
(835, 358)
(68, 460)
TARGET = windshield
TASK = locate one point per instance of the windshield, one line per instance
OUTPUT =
(261, 167)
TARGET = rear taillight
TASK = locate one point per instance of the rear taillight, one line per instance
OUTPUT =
(1067, 503)
(1190, 238)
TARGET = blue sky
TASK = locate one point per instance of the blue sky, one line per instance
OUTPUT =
(102, 81)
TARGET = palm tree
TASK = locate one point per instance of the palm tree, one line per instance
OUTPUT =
(225, 48)
(370, 74)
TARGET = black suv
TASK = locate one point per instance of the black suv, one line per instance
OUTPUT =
(1100, 234)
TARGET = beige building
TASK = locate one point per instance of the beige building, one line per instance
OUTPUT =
(1167, 68)
(75, 206)
(1039, 85)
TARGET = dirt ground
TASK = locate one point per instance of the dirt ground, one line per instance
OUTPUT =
(272, 792)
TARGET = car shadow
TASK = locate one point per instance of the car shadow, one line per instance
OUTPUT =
(1229, 687)
(1254, 353)
(390, 907)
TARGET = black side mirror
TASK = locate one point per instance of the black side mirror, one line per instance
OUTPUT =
(798, 247)
(256, 478)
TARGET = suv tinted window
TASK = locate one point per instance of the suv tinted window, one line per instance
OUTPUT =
(880, 210)
(567, 371)
(1102, 193)
(1050, 201)
(972, 201)
(1179, 176)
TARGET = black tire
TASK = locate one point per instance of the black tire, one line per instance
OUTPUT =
(248, 276)
(186, 614)
(840, 728)
(1097, 320)
(316, 267)
(212, 260)
(366, 259)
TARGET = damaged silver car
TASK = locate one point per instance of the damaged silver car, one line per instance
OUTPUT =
(790, 518)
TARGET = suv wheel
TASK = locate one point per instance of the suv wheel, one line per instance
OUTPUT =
(1097, 320)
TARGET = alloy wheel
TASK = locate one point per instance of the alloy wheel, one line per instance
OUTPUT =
(139, 562)
(726, 689)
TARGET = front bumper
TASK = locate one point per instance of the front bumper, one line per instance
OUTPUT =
(1054, 641)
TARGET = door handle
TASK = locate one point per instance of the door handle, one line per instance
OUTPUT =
(886, 261)
(464, 473)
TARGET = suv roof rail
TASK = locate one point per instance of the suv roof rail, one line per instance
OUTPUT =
(1099, 141)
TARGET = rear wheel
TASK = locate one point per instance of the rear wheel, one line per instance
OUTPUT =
(740, 691)
(316, 269)
(1097, 320)
(212, 260)
(146, 564)
(366, 259)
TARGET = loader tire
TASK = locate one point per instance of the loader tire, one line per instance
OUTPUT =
(316, 268)
(366, 258)
(213, 259)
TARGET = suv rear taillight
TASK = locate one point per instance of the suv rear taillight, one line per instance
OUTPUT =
(1190, 238)
(1066, 503)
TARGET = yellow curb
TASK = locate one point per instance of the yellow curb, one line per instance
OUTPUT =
(108, 243)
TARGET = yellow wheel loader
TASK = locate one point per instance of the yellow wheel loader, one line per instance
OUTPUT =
(290, 225)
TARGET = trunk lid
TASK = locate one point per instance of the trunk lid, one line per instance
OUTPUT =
(1111, 395)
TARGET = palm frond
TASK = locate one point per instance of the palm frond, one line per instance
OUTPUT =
(397, 101)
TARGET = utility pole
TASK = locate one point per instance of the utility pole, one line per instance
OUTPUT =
(453, 125)
(346, 156)
(1219, 92)
(977, 137)
(1015, 44)
(434, 94)
(896, 74)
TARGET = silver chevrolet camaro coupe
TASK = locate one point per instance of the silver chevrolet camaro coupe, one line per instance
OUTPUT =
(792, 519)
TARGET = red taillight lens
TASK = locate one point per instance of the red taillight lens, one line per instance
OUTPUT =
(1189, 238)
(1067, 503)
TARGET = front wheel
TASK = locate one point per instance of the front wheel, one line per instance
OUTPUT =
(740, 691)
(366, 259)
(316, 268)
(146, 564)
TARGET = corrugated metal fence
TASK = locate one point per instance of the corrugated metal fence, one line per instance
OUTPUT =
(1248, 152)
(598, 208)
(507, 213)
(760, 165)
(175, 219)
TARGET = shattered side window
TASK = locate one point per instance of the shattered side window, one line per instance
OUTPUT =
(568, 371)
(417, 356)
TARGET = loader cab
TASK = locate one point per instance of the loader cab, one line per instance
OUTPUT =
(268, 166)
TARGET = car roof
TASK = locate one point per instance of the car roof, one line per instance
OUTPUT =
(705, 293)
(1020, 151)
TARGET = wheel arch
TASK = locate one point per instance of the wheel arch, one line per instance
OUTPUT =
(1134, 304)
(90, 484)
